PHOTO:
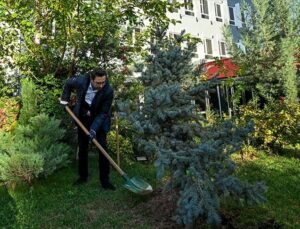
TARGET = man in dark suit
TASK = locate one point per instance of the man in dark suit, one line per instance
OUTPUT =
(93, 108)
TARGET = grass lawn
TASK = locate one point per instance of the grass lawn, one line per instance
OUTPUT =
(55, 203)
(282, 209)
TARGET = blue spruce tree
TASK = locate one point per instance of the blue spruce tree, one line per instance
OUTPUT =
(195, 155)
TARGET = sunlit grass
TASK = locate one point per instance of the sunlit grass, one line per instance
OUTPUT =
(282, 177)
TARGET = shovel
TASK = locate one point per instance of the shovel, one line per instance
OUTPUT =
(134, 184)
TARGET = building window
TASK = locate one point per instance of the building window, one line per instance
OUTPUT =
(222, 48)
(173, 2)
(243, 17)
(136, 35)
(204, 9)
(208, 49)
(231, 16)
(218, 12)
(189, 7)
(195, 53)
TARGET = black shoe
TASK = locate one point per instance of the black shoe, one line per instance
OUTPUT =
(80, 181)
(108, 186)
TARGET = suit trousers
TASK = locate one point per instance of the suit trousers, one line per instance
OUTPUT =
(83, 143)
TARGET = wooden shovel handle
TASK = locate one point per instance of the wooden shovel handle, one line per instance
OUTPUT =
(95, 142)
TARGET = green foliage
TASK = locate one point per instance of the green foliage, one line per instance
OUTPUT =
(276, 126)
(248, 151)
(270, 36)
(125, 90)
(29, 101)
(9, 84)
(194, 154)
(125, 147)
(64, 37)
(34, 150)
(9, 111)
(48, 91)
(20, 167)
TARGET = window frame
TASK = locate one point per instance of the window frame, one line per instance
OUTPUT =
(202, 9)
(221, 48)
(231, 19)
(218, 17)
(173, 2)
(189, 9)
(195, 53)
(207, 54)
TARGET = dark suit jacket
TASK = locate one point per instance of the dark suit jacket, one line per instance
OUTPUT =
(101, 104)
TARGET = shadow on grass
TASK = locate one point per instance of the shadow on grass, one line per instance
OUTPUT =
(290, 153)
(7, 209)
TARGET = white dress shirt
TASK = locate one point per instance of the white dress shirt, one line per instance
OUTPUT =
(90, 94)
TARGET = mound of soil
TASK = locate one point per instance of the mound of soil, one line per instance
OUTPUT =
(161, 207)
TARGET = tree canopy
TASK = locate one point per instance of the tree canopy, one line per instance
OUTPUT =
(270, 35)
(43, 37)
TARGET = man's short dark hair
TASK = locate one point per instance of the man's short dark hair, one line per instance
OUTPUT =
(98, 72)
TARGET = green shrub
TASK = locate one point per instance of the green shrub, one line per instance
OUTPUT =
(126, 150)
(247, 151)
(19, 167)
(29, 101)
(9, 110)
(49, 89)
(34, 150)
(9, 83)
(276, 126)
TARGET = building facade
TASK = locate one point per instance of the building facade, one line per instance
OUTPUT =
(205, 19)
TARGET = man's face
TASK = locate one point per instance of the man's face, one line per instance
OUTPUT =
(99, 82)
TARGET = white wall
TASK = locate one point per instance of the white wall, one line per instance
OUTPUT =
(202, 27)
